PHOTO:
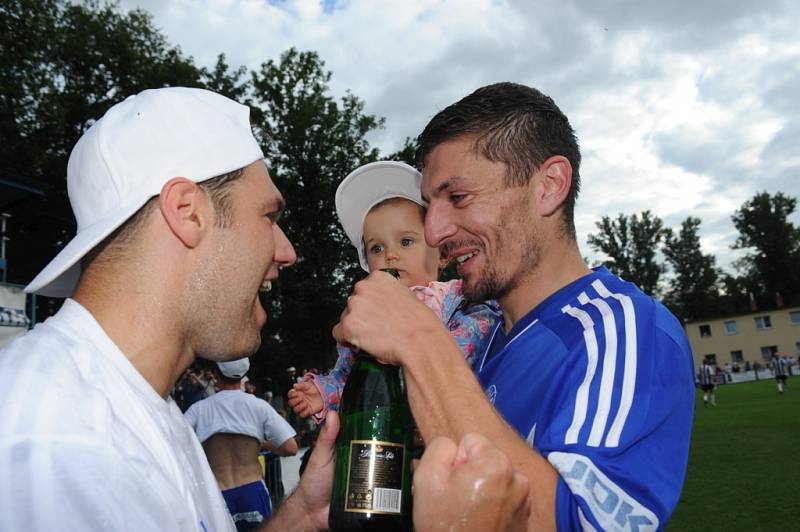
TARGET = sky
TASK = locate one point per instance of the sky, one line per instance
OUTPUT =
(685, 108)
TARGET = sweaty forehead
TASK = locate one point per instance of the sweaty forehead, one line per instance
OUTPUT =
(433, 185)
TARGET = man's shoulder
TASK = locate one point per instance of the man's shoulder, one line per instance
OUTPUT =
(56, 387)
(50, 397)
(237, 397)
(608, 305)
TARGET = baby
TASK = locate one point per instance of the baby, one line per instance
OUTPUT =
(381, 209)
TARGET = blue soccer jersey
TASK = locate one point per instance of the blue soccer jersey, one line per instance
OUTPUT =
(599, 379)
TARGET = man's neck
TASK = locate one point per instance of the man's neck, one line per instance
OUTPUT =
(559, 266)
(143, 327)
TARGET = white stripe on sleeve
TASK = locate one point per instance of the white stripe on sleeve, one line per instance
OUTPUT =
(629, 373)
(582, 396)
(608, 372)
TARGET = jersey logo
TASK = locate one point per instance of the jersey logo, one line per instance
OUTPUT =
(608, 503)
(491, 393)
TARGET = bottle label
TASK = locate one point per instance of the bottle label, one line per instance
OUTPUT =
(375, 478)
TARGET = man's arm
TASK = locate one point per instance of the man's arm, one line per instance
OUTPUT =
(278, 434)
(444, 395)
(287, 448)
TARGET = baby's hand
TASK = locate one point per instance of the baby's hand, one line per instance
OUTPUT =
(305, 399)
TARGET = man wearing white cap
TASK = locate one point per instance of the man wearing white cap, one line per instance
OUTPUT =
(233, 426)
(177, 233)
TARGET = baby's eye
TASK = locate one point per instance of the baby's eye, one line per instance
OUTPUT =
(376, 248)
(406, 242)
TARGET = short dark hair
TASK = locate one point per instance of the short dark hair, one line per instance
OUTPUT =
(514, 124)
(218, 190)
(224, 379)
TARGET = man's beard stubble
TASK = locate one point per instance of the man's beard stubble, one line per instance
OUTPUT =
(492, 284)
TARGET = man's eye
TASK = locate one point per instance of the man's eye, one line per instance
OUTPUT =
(457, 198)
(376, 249)
(406, 242)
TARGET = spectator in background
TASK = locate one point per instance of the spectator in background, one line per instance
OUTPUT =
(191, 389)
(707, 383)
(233, 427)
(209, 383)
(779, 370)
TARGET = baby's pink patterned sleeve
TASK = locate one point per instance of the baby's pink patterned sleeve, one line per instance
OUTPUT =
(331, 384)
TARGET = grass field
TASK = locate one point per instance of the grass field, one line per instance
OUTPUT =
(744, 463)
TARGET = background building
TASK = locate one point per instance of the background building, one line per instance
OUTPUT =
(752, 337)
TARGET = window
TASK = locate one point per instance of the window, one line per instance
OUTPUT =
(737, 357)
(763, 322)
(797, 348)
(711, 359)
(705, 331)
(795, 317)
(767, 351)
(730, 327)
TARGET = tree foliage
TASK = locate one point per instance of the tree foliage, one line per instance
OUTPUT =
(61, 66)
(772, 263)
(694, 288)
(312, 141)
(631, 244)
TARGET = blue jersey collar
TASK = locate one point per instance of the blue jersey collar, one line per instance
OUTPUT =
(551, 305)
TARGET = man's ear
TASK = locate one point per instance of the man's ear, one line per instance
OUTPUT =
(186, 210)
(554, 183)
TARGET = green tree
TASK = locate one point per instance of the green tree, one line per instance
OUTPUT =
(405, 154)
(694, 290)
(311, 141)
(631, 244)
(62, 65)
(772, 263)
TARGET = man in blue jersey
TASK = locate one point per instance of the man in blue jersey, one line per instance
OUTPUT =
(587, 384)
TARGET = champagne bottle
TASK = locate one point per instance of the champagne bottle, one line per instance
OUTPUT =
(372, 475)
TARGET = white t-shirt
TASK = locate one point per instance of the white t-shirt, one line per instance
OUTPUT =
(87, 444)
(237, 412)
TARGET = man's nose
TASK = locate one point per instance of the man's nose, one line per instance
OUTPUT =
(285, 254)
(438, 224)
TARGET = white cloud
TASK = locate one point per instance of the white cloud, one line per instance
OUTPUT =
(684, 108)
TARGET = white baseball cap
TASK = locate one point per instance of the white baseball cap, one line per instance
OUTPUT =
(128, 155)
(235, 369)
(368, 185)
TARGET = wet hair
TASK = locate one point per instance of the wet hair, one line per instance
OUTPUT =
(515, 125)
(218, 190)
